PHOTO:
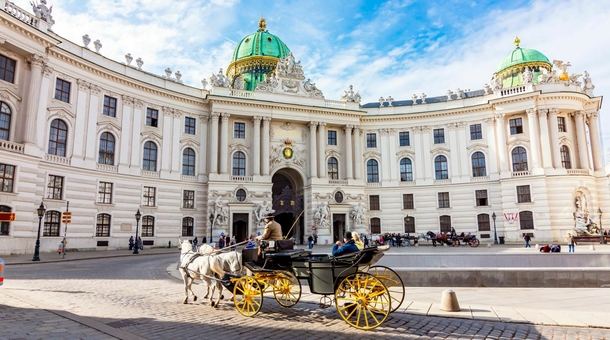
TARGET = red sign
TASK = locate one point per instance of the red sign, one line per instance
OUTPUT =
(7, 217)
(313, 227)
(66, 217)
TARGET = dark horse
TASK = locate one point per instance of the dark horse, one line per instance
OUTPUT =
(441, 239)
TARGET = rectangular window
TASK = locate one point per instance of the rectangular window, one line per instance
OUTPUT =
(189, 125)
(407, 201)
(332, 137)
(188, 199)
(149, 196)
(371, 140)
(516, 126)
(483, 222)
(7, 175)
(561, 124)
(374, 202)
(7, 69)
(523, 194)
(475, 132)
(239, 130)
(109, 106)
(55, 187)
(439, 136)
(481, 196)
(104, 194)
(152, 117)
(62, 90)
(403, 138)
(443, 200)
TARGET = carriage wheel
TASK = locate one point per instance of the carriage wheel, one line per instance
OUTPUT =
(248, 296)
(363, 301)
(474, 242)
(287, 289)
(393, 283)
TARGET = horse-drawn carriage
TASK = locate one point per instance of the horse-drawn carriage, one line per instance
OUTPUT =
(364, 294)
(445, 239)
(467, 239)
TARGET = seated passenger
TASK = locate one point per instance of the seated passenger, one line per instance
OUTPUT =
(273, 230)
(349, 246)
(358, 241)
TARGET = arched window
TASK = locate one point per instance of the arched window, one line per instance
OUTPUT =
(51, 223)
(483, 222)
(375, 225)
(333, 168)
(526, 220)
(102, 228)
(106, 154)
(478, 164)
(188, 162)
(187, 226)
(440, 167)
(58, 136)
(519, 159)
(148, 226)
(372, 171)
(445, 222)
(5, 226)
(149, 161)
(410, 225)
(5, 121)
(239, 164)
(406, 170)
(565, 157)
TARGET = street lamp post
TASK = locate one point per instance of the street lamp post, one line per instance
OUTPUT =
(493, 215)
(138, 215)
(407, 219)
(40, 212)
(211, 226)
(601, 228)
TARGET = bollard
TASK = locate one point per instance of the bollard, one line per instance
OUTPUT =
(170, 244)
(537, 246)
(591, 247)
(449, 302)
(488, 245)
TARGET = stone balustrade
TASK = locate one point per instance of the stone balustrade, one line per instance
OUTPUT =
(150, 174)
(19, 13)
(57, 159)
(241, 178)
(107, 168)
(10, 146)
(521, 173)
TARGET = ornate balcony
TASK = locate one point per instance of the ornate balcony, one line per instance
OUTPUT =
(151, 174)
(479, 179)
(241, 178)
(406, 183)
(442, 181)
(188, 178)
(57, 159)
(338, 104)
(578, 172)
(521, 173)
(337, 181)
(107, 168)
(10, 146)
(373, 185)
(20, 13)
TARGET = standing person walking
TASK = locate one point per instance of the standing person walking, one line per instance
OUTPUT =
(310, 242)
(195, 244)
(131, 243)
(527, 239)
(571, 243)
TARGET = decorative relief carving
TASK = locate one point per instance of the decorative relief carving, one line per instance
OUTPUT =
(531, 112)
(257, 120)
(543, 112)
(553, 111)
(290, 86)
(490, 120)
(83, 85)
(127, 100)
(289, 127)
(225, 117)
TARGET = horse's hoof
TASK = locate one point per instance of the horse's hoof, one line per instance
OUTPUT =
(194, 298)
(185, 302)
(213, 304)
(222, 297)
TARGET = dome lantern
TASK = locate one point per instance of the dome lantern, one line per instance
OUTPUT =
(513, 64)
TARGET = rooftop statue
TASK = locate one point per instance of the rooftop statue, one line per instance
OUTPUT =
(219, 79)
(350, 96)
(357, 215)
(289, 67)
(588, 84)
(527, 77)
(42, 11)
(564, 69)
(271, 82)
(311, 89)
(496, 83)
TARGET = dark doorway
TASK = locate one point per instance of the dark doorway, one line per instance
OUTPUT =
(288, 204)
(286, 220)
(240, 227)
(338, 227)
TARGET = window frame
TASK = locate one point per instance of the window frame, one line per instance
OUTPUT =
(526, 220)
(441, 167)
(372, 171)
(103, 226)
(374, 203)
(408, 201)
(188, 199)
(190, 125)
(479, 168)
(104, 192)
(561, 124)
(519, 159)
(55, 187)
(476, 132)
(332, 168)
(523, 194)
(239, 163)
(188, 162)
(331, 137)
(375, 223)
(406, 170)
(152, 117)
(239, 130)
(5, 121)
(483, 222)
(106, 150)
(404, 139)
(188, 226)
(516, 126)
(371, 140)
(7, 71)
(444, 222)
(58, 138)
(149, 196)
(5, 227)
(52, 224)
(148, 226)
(566, 161)
(62, 90)
(110, 106)
(480, 195)
(149, 157)
(7, 178)
(409, 225)
(443, 200)
(439, 136)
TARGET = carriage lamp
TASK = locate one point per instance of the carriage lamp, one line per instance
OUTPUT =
(211, 226)
(601, 229)
(138, 215)
(40, 211)
(493, 216)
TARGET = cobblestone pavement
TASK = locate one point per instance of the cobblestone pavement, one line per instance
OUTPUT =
(134, 298)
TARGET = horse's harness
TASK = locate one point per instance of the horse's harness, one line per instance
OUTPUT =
(197, 255)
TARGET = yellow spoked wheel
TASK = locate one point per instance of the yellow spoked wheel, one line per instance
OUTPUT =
(287, 289)
(393, 283)
(363, 301)
(248, 296)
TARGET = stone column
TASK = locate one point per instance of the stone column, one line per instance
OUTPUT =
(136, 138)
(83, 113)
(555, 139)
(224, 143)
(581, 138)
(454, 155)
(533, 136)
(322, 170)
(312, 149)
(213, 144)
(501, 137)
(596, 145)
(358, 153)
(92, 137)
(176, 152)
(36, 63)
(127, 124)
(428, 162)
(256, 146)
(203, 140)
(349, 164)
(266, 142)
(492, 151)
(166, 121)
(544, 139)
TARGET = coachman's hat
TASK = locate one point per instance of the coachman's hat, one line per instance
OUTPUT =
(348, 235)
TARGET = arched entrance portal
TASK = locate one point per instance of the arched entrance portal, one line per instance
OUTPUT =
(288, 202)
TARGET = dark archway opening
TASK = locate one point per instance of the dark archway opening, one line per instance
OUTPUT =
(288, 203)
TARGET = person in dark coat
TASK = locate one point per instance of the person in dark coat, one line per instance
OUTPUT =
(349, 247)
(131, 243)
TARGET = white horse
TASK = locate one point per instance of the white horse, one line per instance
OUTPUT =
(194, 265)
(424, 236)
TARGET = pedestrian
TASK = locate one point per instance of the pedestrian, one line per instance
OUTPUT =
(233, 242)
(310, 242)
(195, 244)
(366, 241)
(315, 238)
(221, 241)
(62, 246)
(204, 240)
(527, 238)
(131, 243)
(571, 243)
(139, 243)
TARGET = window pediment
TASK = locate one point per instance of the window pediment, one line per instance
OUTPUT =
(405, 153)
(109, 126)
(440, 150)
(61, 113)
(477, 146)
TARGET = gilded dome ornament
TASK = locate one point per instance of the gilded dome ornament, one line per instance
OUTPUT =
(517, 41)
(262, 25)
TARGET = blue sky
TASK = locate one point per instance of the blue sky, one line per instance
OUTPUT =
(384, 48)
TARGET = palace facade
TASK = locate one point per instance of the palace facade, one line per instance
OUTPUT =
(106, 139)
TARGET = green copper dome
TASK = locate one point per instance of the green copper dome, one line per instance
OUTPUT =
(256, 55)
(511, 67)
